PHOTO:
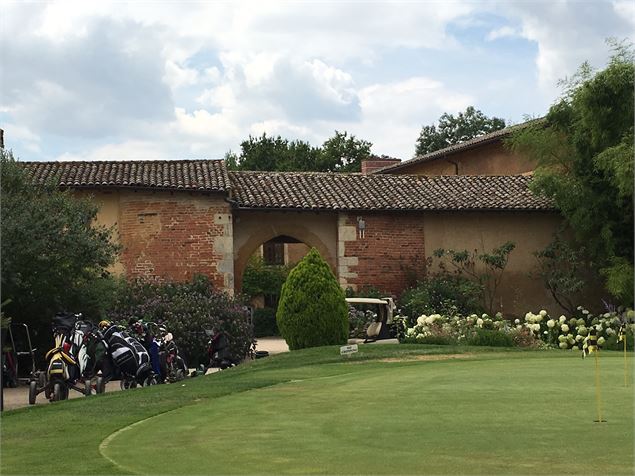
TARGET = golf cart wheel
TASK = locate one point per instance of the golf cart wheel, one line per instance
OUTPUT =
(180, 375)
(126, 384)
(151, 380)
(87, 387)
(58, 392)
(41, 380)
(32, 392)
(100, 385)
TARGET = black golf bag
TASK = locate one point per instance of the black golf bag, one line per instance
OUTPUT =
(130, 357)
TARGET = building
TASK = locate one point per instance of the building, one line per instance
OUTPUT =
(178, 218)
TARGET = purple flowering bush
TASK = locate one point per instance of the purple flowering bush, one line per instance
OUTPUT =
(188, 309)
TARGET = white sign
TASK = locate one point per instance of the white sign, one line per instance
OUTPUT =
(348, 349)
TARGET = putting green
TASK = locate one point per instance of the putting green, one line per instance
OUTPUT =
(502, 416)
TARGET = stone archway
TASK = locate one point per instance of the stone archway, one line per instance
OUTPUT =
(252, 229)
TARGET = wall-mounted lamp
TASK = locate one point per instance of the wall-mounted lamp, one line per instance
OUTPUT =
(361, 227)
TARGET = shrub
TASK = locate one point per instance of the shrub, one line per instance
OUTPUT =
(490, 338)
(265, 322)
(442, 293)
(523, 337)
(261, 279)
(187, 310)
(312, 310)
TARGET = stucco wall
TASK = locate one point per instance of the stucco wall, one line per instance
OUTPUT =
(253, 228)
(531, 231)
(490, 159)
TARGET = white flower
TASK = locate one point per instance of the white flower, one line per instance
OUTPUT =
(519, 327)
(585, 312)
(551, 323)
(564, 328)
(421, 320)
(562, 319)
(429, 320)
(420, 336)
(607, 314)
(517, 321)
(579, 308)
(528, 316)
(610, 331)
(410, 331)
(598, 327)
(479, 322)
(499, 315)
(543, 313)
(601, 340)
(578, 338)
(484, 316)
(563, 345)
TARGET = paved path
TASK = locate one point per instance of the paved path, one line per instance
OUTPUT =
(19, 397)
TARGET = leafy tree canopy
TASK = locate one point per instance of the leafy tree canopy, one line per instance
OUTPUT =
(584, 151)
(456, 129)
(340, 153)
(54, 257)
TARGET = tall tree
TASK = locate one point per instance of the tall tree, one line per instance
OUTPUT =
(584, 151)
(456, 129)
(340, 153)
(344, 153)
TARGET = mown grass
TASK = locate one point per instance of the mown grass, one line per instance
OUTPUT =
(491, 411)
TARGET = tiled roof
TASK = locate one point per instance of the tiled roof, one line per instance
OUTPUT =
(332, 191)
(199, 175)
(468, 144)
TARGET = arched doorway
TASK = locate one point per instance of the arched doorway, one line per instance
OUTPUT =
(253, 228)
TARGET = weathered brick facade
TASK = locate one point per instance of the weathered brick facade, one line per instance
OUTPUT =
(388, 254)
(176, 235)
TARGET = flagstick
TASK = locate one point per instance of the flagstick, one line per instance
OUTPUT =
(625, 363)
(598, 392)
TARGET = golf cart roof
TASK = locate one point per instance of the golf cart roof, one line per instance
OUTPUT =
(366, 301)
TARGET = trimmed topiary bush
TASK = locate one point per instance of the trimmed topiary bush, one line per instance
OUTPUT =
(312, 310)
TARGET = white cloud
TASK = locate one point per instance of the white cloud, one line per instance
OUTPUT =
(502, 32)
(164, 81)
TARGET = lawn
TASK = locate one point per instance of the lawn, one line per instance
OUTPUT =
(387, 410)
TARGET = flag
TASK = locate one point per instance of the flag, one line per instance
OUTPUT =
(590, 343)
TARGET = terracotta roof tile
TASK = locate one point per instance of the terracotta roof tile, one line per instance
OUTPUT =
(201, 175)
(332, 191)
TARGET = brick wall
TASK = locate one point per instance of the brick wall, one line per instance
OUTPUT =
(176, 235)
(387, 256)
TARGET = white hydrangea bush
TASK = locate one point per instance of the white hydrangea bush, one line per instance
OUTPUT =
(548, 331)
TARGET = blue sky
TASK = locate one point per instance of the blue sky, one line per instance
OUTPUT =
(167, 80)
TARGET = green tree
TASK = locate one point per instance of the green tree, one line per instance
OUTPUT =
(344, 153)
(339, 153)
(54, 256)
(312, 310)
(584, 151)
(456, 129)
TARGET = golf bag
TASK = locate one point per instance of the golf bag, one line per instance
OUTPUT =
(130, 357)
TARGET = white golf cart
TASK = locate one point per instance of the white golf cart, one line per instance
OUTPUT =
(381, 328)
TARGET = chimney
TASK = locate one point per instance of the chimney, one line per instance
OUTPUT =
(375, 162)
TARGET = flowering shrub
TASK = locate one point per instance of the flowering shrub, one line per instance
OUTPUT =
(536, 330)
(187, 310)
(437, 328)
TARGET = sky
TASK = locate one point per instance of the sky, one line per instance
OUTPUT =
(182, 80)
